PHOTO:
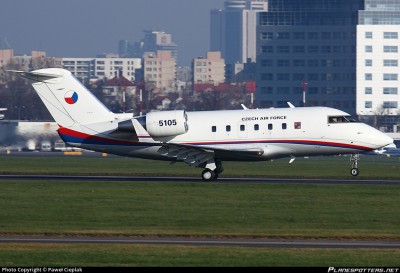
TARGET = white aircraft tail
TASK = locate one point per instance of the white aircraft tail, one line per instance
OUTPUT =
(67, 100)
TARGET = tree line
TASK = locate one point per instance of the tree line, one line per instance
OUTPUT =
(23, 103)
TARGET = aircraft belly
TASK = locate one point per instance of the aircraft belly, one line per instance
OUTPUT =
(275, 151)
(149, 152)
(315, 150)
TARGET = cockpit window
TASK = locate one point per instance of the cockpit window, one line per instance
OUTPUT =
(340, 119)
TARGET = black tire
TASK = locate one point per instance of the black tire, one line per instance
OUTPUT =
(208, 175)
(354, 171)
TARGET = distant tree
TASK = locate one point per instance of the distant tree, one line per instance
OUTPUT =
(43, 62)
(19, 97)
(382, 117)
(212, 99)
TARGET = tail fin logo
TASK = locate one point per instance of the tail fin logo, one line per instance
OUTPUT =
(71, 97)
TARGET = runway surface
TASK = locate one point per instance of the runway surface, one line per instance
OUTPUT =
(81, 178)
(262, 243)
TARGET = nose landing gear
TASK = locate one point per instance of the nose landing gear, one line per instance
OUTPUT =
(354, 164)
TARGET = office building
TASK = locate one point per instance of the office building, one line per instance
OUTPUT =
(240, 72)
(233, 30)
(307, 47)
(86, 69)
(378, 45)
(159, 69)
(5, 56)
(36, 60)
(153, 41)
(209, 70)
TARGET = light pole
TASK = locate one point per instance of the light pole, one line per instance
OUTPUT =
(140, 86)
(304, 87)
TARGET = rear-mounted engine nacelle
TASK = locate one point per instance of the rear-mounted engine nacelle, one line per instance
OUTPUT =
(166, 123)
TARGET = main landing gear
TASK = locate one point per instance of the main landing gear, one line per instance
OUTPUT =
(354, 164)
(212, 170)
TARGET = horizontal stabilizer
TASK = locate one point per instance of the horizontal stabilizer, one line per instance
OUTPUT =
(37, 75)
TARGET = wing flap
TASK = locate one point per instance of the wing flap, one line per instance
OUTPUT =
(188, 154)
(197, 156)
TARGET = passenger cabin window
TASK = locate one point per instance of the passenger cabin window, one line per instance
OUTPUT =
(340, 119)
(284, 126)
(214, 129)
(270, 126)
(228, 128)
(256, 127)
(242, 127)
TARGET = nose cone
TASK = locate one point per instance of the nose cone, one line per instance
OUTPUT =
(379, 139)
(386, 140)
(371, 137)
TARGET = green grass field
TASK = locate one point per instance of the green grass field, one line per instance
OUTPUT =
(198, 209)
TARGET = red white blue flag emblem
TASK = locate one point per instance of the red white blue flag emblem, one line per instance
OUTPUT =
(71, 97)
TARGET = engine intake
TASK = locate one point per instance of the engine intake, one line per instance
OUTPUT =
(166, 123)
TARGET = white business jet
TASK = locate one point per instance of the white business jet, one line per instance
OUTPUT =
(202, 139)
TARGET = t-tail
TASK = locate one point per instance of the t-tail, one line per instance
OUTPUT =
(68, 101)
(84, 121)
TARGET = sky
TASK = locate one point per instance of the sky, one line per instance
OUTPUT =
(85, 28)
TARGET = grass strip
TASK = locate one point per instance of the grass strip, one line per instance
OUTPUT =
(102, 255)
(200, 209)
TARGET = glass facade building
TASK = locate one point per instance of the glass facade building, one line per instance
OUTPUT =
(233, 30)
(378, 59)
(307, 45)
(314, 5)
(380, 12)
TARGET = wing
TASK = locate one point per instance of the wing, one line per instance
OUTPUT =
(198, 156)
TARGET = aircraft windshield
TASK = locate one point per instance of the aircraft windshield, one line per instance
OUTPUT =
(340, 119)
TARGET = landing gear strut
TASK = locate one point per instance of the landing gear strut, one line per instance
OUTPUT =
(212, 170)
(354, 164)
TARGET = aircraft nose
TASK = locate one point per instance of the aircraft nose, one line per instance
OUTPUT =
(382, 139)
(373, 137)
(387, 139)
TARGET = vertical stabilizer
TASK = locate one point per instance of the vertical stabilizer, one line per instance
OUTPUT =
(68, 101)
